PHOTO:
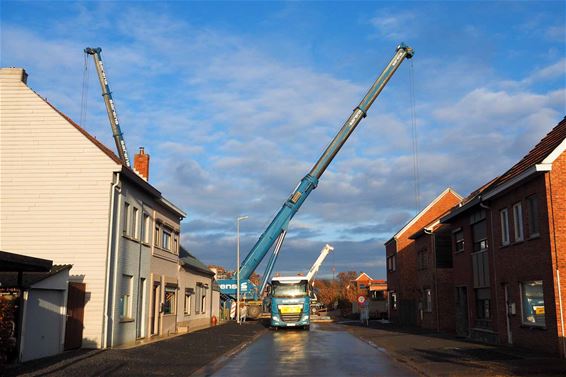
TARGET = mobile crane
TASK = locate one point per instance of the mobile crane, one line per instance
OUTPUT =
(277, 229)
(109, 102)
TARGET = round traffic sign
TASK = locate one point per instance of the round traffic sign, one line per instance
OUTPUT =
(361, 299)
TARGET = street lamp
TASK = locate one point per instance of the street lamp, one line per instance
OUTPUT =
(240, 218)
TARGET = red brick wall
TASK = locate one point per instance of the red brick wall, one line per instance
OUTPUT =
(556, 196)
(403, 281)
(522, 261)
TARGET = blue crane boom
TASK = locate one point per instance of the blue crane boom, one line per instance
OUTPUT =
(278, 226)
(109, 102)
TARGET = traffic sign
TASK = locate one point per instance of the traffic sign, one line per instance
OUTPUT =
(361, 299)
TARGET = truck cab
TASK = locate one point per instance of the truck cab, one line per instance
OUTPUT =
(290, 302)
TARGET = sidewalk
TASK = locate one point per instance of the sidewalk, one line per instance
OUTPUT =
(434, 354)
(179, 356)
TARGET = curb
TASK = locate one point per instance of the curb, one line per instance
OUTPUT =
(220, 361)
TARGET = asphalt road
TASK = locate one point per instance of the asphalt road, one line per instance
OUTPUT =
(327, 350)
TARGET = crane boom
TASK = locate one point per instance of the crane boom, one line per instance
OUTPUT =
(314, 269)
(280, 222)
(109, 102)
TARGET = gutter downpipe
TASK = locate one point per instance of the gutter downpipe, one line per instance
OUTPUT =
(557, 269)
(491, 246)
(436, 309)
(111, 225)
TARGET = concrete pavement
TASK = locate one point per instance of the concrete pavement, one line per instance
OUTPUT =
(439, 355)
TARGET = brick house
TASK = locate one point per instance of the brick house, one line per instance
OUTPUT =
(374, 290)
(405, 293)
(509, 252)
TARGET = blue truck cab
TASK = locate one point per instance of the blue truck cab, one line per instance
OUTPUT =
(290, 302)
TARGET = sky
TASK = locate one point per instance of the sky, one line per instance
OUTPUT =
(235, 101)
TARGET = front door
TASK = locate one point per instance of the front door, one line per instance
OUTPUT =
(462, 311)
(155, 317)
(75, 316)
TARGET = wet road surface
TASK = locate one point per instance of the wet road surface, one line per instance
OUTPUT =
(326, 351)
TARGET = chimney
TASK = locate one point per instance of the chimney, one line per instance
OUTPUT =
(141, 163)
(14, 74)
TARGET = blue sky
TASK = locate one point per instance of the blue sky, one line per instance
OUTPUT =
(235, 101)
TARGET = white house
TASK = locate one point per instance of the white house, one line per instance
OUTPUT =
(68, 198)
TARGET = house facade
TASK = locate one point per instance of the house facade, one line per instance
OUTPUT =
(405, 264)
(509, 255)
(68, 198)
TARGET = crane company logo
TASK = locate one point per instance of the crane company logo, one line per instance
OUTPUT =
(227, 286)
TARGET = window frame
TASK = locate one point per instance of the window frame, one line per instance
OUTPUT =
(523, 296)
(125, 300)
(518, 225)
(189, 293)
(127, 220)
(504, 223)
(173, 303)
(134, 233)
(166, 236)
(146, 228)
(458, 241)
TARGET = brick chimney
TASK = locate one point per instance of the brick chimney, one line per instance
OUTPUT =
(141, 163)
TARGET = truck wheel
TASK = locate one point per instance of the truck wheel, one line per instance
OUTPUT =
(254, 311)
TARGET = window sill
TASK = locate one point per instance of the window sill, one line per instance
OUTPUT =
(133, 239)
(535, 236)
(126, 320)
(168, 314)
(529, 326)
(517, 242)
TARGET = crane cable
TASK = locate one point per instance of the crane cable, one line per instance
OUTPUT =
(416, 175)
(84, 92)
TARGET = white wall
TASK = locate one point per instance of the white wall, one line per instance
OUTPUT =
(55, 186)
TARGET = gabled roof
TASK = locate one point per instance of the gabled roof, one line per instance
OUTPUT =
(539, 159)
(362, 275)
(189, 261)
(422, 212)
(127, 171)
(545, 152)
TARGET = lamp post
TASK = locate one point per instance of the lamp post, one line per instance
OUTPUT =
(240, 218)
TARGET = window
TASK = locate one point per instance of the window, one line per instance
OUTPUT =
(504, 216)
(198, 302)
(203, 298)
(146, 227)
(127, 221)
(422, 259)
(532, 302)
(427, 299)
(125, 305)
(459, 240)
(483, 300)
(166, 240)
(135, 221)
(176, 243)
(391, 263)
(479, 233)
(170, 302)
(533, 216)
(518, 221)
(393, 296)
(362, 286)
(156, 236)
(189, 292)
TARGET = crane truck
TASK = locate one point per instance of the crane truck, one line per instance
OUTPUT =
(292, 296)
(109, 102)
(277, 229)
